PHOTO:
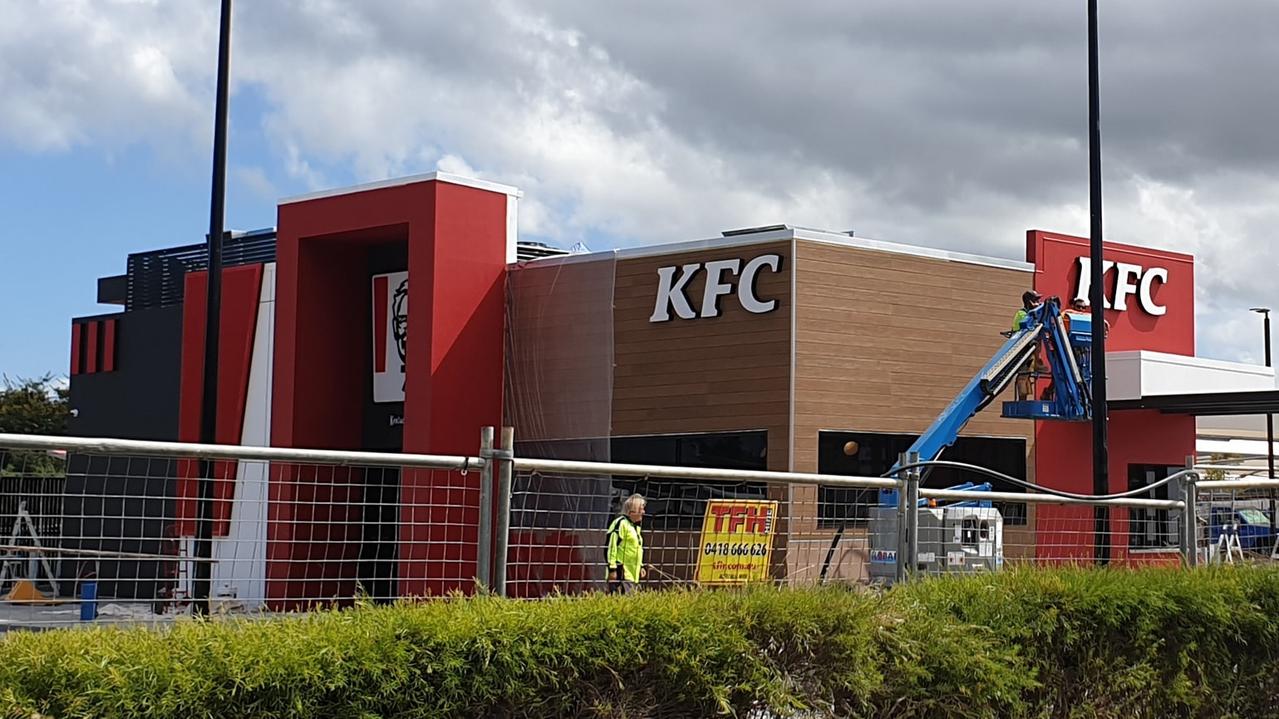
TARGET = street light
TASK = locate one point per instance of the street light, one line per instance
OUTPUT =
(1100, 450)
(1270, 418)
(212, 321)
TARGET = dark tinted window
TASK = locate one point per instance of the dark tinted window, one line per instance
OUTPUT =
(876, 453)
(1150, 528)
(681, 505)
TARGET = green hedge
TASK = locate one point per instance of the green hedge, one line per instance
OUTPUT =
(1027, 643)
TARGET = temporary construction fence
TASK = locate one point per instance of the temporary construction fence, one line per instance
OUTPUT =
(1236, 515)
(149, 531)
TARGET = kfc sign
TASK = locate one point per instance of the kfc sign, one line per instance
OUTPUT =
(1148, 293)
(390, 335)
(723, 277)
(1130, 280)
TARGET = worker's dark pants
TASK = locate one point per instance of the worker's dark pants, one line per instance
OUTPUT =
(1025, 380)
(622, 587)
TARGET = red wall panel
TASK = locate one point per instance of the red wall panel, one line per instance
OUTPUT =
(456, 237)
(445, 409)
(241, 294)
(1063, 451)
(1063, 460)
(1057, 273)
(77, 346)
(108, 346)
(91, 348)
(379, 322)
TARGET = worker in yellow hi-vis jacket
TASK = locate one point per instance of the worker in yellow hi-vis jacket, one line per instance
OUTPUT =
(626, 547)
(1035, 365)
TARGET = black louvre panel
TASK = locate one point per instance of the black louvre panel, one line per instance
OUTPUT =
(156, 279)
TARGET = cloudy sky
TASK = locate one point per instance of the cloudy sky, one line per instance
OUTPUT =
(932, 122)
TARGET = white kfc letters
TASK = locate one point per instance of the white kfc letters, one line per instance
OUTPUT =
(1130, 279)
(721, 276)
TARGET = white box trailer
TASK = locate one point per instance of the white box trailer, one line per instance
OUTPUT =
(959, 539)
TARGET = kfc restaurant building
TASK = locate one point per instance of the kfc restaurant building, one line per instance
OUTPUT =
(767, 348)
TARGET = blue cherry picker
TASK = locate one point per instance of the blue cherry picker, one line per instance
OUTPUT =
(967, 536)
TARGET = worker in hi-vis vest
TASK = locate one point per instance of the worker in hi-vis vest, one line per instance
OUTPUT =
(626, 547)
(1035, 365)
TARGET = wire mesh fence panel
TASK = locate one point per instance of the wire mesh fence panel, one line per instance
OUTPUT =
(119, 531)
(695, 531)
(114, 537)
(1237, 525)
(1091, 534)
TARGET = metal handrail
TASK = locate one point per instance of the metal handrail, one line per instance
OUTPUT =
(1091, 498)
(1038, 494)
(1239, 484)
(147, 448)
(667, 472)
(1028, 498)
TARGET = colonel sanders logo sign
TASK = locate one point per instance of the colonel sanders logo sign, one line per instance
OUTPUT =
(390, 335)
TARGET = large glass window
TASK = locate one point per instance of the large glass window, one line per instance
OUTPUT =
(682, 505)
(870, 454)
(1150, 528)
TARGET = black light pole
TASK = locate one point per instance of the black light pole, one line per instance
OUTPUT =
(1100, 452)
(213, 307)
(1270, 418)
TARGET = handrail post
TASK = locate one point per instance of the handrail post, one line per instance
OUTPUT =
(912, 514)
(505, 456)
(484, 550)
(903, 521)
(1189, 535)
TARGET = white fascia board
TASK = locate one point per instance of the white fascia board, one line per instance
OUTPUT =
(669, 248)
(1251, 448)
(1238, 426)
(409, 180)
(1123, 375)
(512, 228)
(865, 243)
(792, 234)
(1139, 373)
(713, 243)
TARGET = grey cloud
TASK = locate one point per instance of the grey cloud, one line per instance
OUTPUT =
(934, 122)
(88, 74)
(985, 93)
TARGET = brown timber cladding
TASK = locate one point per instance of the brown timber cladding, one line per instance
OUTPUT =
(884, 341)
(714, 374)
(559, 350)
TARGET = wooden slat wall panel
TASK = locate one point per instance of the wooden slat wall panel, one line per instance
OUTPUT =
(883, 343)
(725, 373)
(559, 354)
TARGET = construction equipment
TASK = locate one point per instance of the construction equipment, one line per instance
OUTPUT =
(1067, 399)
(957, 537)
(24, 589)
(1249, 525)
(968, 536)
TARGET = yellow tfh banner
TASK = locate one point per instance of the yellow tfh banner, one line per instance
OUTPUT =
(737, 541)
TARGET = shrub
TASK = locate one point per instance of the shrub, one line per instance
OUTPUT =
(1025, 643)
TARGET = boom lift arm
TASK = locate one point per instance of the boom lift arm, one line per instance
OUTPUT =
(1043, 326)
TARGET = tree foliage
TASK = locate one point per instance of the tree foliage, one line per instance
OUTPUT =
(32, 406)
(1216, 475)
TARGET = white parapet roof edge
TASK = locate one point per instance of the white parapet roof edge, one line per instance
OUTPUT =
(1251, 448)
(790, 233)
(1135, 374)
(1192, 362)
(409, 180)
(866, 243)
